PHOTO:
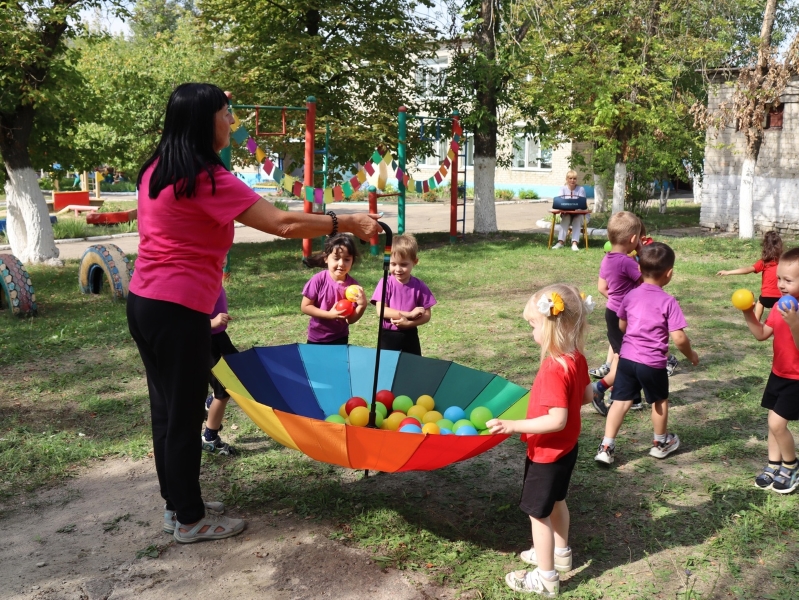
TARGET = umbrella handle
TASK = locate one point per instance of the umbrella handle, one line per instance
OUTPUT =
(386, 262)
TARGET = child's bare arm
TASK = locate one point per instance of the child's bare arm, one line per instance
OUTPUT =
(761, 331)
(623, 325)
(405, 322)
(554, 420)
(220, 319)
(389, 313)
(684, 345)
(741, 271)
(588, 396)
(602, 285)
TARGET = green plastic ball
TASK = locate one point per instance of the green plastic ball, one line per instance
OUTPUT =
(608, 246)
(335, 419)
(461, 423)
(445, 424)
(479, 416)
(485, 432)
(402, 404)
(380, 409)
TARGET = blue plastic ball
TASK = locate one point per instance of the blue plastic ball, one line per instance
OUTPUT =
(454, 413)
(466, 430)
(788, 302)
(411, 429)
(445, 431)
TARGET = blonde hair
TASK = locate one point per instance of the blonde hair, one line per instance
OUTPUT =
(405, 246)
(564, 333)
(622, 226)
(569, 174)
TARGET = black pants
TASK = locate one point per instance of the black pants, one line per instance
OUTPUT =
(174, 343)
(220, 346)
(405, 340)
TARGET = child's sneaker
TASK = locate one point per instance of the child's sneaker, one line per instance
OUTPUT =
(169, 515)
(562, 563)
(575, 247)
(605, 454)
(637, 405)
(558, 246)
(599, 401)
(671, 365)
(766, 478)
(663, 449)
(786, 480)
(532, 582)
(217, 446)
(600, 371)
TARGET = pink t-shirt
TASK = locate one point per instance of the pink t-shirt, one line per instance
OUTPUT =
(622, 274)
(651, 314)
(324, 292)
(183, 242)
(786, 356)
(404, 297)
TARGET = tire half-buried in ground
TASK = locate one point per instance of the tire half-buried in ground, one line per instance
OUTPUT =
(106, 262)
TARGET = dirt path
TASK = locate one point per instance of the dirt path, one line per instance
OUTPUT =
(80, 541)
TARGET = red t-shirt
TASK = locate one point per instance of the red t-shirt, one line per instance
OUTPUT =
(768, 288)
(556, 387)
(183, 242)
(786, 356)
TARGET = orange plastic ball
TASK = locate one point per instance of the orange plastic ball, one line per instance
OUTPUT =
(430, 428)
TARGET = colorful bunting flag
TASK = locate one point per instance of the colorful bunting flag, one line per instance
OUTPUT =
(369, 168)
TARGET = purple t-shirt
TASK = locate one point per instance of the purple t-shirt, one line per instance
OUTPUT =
(404, 296)
(651, 314)
(324, 292)
(622, 274)
(219, 307)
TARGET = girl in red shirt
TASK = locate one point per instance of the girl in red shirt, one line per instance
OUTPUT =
(558, 316)
(770, 256)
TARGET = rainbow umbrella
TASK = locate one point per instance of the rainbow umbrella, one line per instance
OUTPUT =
(289, 390)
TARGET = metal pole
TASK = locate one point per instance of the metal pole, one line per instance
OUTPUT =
(310, 129)
(453, 188)
(373, 210)
(402, 120)
(386, 263)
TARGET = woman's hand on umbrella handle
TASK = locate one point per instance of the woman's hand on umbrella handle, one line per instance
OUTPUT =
(360, 225)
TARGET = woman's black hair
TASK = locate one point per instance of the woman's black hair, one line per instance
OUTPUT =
(187, 143)
(772, 247)
(340, 239)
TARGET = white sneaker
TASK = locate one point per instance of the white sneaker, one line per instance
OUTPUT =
(558, 246)
(532, 582)
(605, 454)
(575, 247)
(562, 563)
(663, 449)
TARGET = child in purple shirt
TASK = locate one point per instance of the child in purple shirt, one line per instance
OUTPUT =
(408, 299)
(647, 316)
(325, 289)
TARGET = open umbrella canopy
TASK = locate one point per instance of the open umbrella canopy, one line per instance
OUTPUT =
(289, 390)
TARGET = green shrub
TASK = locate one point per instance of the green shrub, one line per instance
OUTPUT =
(503, 194)
(390, 189)
(64, 184)
(430, 196)
(357, 196)
(129, 227)
(69, 228)
(528, 195)
(121, 186)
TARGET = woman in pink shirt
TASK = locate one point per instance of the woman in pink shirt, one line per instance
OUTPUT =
(187, 204)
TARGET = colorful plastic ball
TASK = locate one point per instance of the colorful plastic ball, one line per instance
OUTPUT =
(345, 307)
(417, 411)
(402, 404)
(788, 302)
(432, 416)
(380, 409)
(445, 424)
(608, 246)
(454, 413)
(430, 428)
(347, 421)
(466, 430)
(426, 401)
(353, 402)
(336, 419)
(359, 416)
(461, 423)
(385, 397)
(410, 429)
(743, 299)
(410, 421)
(445, 431)
(379, 419)
(342, 410)
(393, 421)
(485, 432)
(351, 293)
(479, 416)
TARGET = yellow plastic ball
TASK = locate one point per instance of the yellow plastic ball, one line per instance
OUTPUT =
(359, 416)
(351, 293)
(743, 299)
(392, 421)
(417, 411)
(426, 401)
(430, 428)
(342, 410)
(432, 416)
(347, 421)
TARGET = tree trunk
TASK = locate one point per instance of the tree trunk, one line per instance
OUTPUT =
(664, 197)
(619, 185)
(697, 185)
(485, 211)
(746, 220)
(600, 194)
(28, 223)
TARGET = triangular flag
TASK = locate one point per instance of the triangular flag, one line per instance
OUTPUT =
(338, 193)
(297, 189)
(260, 156)
(361, 176)
(346, 189)
(287, 182)
(251, 145)
(369, 168)
(328, 196)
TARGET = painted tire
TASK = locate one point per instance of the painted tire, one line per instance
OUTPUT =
(105, 262)
(16, 289)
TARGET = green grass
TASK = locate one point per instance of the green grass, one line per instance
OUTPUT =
(692, 526)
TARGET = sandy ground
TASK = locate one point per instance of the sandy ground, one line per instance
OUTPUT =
(79, 542)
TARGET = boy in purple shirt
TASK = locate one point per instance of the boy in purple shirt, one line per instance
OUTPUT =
(647, 316)
(408, 299)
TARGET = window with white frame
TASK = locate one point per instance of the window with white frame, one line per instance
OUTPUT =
(529, 154)
(439, 152)
(468, 141)
(430, 74)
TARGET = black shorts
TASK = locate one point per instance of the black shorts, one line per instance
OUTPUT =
(546, 483)
(615, 335)
(782, 396)
(405, 340)
(631, 377)
(220, 346)
(342, 341)
(768, 301)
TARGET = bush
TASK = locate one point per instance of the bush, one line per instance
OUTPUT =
(430, 196)
(121, 186)
(66, 229)
(528, 195)
(64, 184)
(357, 196)
(503, 194)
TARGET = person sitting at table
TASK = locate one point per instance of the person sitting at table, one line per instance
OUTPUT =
(570, 190)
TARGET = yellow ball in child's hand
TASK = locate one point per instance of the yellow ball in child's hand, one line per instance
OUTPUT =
(351, 293)
(743, 299)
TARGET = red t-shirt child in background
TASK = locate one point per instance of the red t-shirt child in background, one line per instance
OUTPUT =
(556, 387)
(768, 287)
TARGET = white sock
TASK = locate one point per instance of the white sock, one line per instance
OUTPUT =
(606, 441)
(562, 551)
(548, 574)
(660, 438)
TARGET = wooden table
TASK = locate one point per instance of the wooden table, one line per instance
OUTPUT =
(569, 212)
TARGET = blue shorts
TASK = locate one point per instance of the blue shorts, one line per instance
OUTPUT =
(632, 377)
